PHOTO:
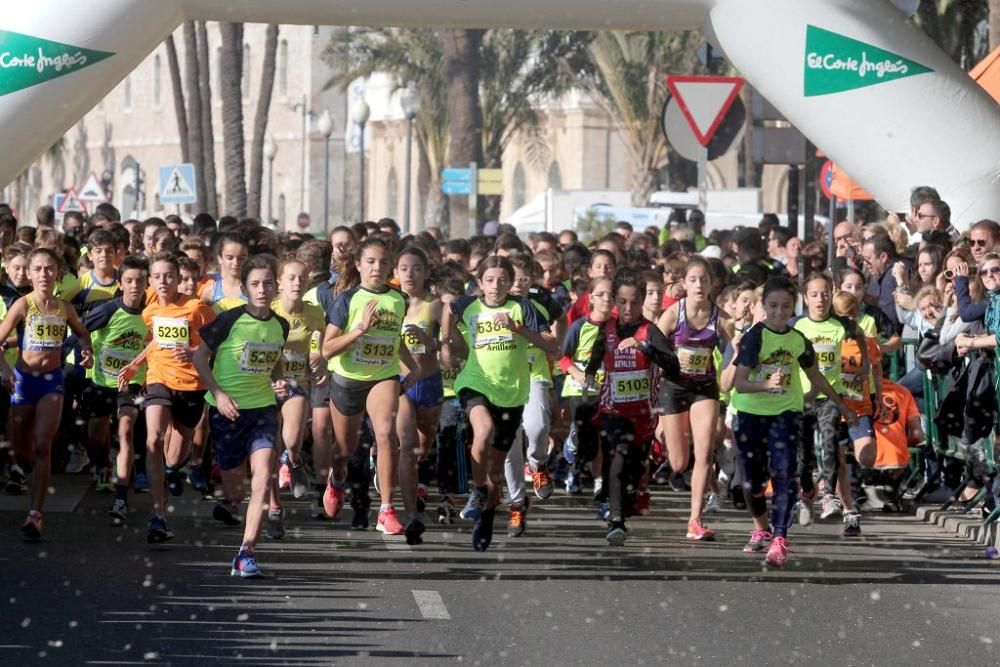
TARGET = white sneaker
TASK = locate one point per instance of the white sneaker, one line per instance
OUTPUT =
(598, 486)
(805, 512)
(830, 506)
(78, 462)
(713, 504)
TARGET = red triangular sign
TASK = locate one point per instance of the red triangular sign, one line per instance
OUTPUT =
(71, 202)
(704, 101)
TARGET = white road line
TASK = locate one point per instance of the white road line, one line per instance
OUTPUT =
(431, 605)
(395, 542)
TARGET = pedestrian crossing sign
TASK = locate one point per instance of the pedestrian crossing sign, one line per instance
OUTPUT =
(177, 184)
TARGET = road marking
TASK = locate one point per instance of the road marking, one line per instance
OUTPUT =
(395, 542)
(431, 605)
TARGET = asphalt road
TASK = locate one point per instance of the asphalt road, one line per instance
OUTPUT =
(904, 593)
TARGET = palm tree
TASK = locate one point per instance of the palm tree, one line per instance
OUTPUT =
(207, 128)
(260, 121)
(196, 144)
(628, 82)
(180, 110)
(465, 121)
(407, 55)
(231, 75)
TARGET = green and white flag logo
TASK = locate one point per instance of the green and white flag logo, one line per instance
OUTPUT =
(835, 63)
(27, 61)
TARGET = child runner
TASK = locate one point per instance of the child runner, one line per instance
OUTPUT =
(690, 405)
(36, 381)
(582, 444)
(767, 426)
(362, 342)
(420, 407)
(118, 333)
(827, 333)
(537, 416)
(495, 383)
(244, 345)
(627, 349)
(174, 396)
(225, 290)
(300, 359)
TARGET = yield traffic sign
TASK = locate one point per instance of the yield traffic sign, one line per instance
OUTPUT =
(704, 101)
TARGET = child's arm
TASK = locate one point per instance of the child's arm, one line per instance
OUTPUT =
(226, 406)
(819, 381)
(83, 336)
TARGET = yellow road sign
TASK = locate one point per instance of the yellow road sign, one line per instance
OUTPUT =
(490, 181)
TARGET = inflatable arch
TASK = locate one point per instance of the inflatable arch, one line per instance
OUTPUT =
(863, 84)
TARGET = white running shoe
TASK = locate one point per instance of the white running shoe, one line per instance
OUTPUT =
(713, 504)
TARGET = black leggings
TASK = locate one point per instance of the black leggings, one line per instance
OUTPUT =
(624, 464)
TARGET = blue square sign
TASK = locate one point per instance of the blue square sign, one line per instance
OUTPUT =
(177, 184)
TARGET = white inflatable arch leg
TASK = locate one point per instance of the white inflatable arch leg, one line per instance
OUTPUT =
(58, 59)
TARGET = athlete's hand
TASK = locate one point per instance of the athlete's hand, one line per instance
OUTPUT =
(227, 407)
(183, 354)
(369, 317)
(282, 388)
(776, 381)
(503, 321)
(315, 362)
(849, 415)
(422, 336)
(626, 343)
(87, 357)
(126, 374)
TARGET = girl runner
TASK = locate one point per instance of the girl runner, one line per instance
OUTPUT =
(582, 445)
(225, 290)
(767, 426)
(362, 342)
(239, 355)
(495, 383)
(174, 394)
(36, 381)
(420, 407)
(300, 359)
(690, 405)
(827, 333)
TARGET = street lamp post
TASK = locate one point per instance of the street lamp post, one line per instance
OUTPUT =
(270, 150)
(409, 100)
(325, 126)
(360, 115)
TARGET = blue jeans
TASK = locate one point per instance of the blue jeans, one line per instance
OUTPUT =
(769, 448)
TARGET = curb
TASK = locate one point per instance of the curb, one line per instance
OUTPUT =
(969, 526)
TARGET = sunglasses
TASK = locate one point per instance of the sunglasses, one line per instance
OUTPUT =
(979, 243)
(992, 271)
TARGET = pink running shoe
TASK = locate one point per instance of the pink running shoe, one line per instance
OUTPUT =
(388, 523)
(333, 500)
(699, 532)
(778, 553)
(284, 477)
(759, 539)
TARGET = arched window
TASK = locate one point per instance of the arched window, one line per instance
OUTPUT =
(156, 80)
(128, 93)
(283, 67)
(245, 85)
(555, 176)
(392, 194)
(520, 188)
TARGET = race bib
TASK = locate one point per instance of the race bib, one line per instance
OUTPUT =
(854, 386)
(826, 358)
(630, 386)
(259, 358)
(296, 364)
(693, 361)
(767, 370)
(171, 332)
(486, 332)
(375, 350)
(44, 332)
(414, 344)
(112, 361)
